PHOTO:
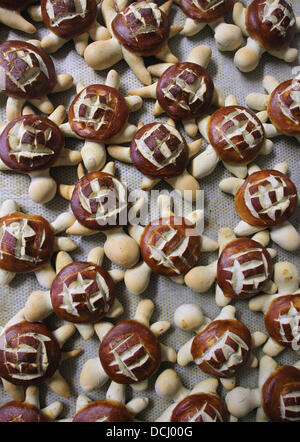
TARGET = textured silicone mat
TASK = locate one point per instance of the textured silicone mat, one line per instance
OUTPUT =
(219, 211)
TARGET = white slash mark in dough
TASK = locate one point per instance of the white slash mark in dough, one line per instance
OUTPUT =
(278, 15)
(21, 232)
(240, 128)
(128, 353)
(232, 356)
(20, 145)
(37, 358)
(207, 5)
(161, 145)
(195, 91)
(274, 187)
(56, 20)
(290, 325)
(159, 255)
(31, 73)
(80, 286)
(294, 93)
(239, 281)
(290, 405)
(204, 415)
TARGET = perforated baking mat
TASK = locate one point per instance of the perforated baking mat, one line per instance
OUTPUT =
(219, 212)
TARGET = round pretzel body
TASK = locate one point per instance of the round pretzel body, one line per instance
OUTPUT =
(222, 348)
(30, 143)
(68, 19)
(271, 22)
(244, 268)
(200, 407)
(30, 72)
(15, 411)
(236, 134)
(284, 107)
(130, 352)
(26, 242)
(82, 292)
(99, 201)
(206, 11)
(185, 91)
(98, 112)
(142, 28)
(281, 395)
(159, 150)
(29, 353)
(267, 198)
(167, 248)
(107, 410)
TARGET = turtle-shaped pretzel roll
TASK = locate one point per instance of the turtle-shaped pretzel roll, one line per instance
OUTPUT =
(139, 30)
(99, 115)
(244, 268)
(276, 398)
(266, 199)
(185, 91)
(99, 202)
(68, 20)
(270, 26)
(82, 293)
(10, 15)
(29, 77)
(129, 353)
(27, 243)
(29, 410)
(32, 144)
(160, 152)
(235, 136)
(282, 104)
(201, 404)
(202, 13)
(31, 354)
(170, 246)
(222, 347)
(112, 409)
(281, 310)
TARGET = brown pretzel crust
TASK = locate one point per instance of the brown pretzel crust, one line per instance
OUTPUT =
(123, 336)
(26, 164)
(70, 28)
(23, 334)
(84, 217)
(289, 125)
(37, 252)
(104, 411)
(248, 248)
(15, 411)
(115, 116)
(15, 5)
(208, 337)
(178, 264)
(280, 307)
(211, 405)
(42, 84)
(240, 153)
(144, 44)
(206, 15)
(264, 219)
(88, 272)
(172, 106)
(283, 381)
(149, 169)
(269, 38)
